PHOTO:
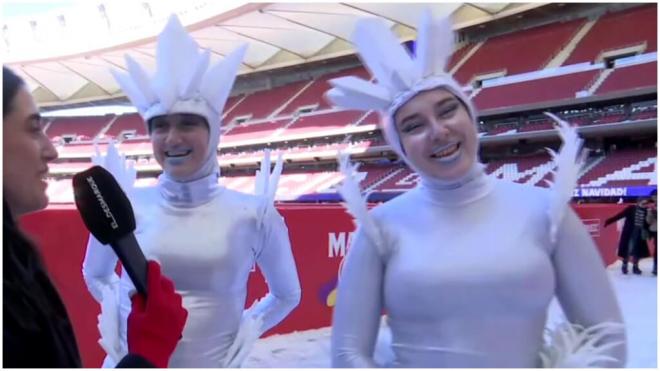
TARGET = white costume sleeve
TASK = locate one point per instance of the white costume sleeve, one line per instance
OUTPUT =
(357, 313)
(583, 288)
(103, 283)
(99, 267)
(279, 269)
(100, 261)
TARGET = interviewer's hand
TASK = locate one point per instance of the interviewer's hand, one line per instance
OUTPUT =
(155, 325)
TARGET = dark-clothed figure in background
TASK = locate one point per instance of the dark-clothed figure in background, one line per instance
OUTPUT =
(652, 224)
(632, 245)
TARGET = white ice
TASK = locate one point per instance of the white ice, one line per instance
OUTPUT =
(637, 296)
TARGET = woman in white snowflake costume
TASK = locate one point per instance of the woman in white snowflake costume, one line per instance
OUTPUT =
(207, 238)
(464, 265)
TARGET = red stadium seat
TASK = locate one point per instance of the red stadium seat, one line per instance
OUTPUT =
(618, 30)
(534, 91)
(88, 126)
(518, 52)
(131, 121)
(630, 78)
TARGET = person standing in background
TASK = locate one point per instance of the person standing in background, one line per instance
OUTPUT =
(632, 245)
(652, 224)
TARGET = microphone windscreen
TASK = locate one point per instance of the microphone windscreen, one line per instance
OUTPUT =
(104, 207)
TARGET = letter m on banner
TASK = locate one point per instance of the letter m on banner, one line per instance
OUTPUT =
(336, 244)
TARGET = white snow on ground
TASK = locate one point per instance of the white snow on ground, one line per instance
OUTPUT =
(637, 296)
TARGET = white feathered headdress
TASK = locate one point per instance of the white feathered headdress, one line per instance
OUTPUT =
(399, 76)
(183, 82)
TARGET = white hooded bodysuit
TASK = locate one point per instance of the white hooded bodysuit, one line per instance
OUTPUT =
(208, 250)
(466, 277)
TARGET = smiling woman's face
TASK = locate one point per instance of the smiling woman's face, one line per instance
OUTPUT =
(180, 143)
(437, 134)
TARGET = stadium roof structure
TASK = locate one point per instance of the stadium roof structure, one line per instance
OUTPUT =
(66, 56)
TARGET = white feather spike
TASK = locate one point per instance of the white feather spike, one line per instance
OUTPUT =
(219, 79)
(122, 170)
(354, 101)
(367, 30)
(140, 79)
(275, 178)
(398, 56)
(568, 163)
(266, 182)
(399, 76)
(131, 90)
(424, 48)
(184, 77)
(573, 346)
(189, 88)
(435, 45)
(401, 80)
(165, 91)
(354, 92)
(380, 47)
(97, 158)
(108, 324)
(356, 204)
(265, 172)
(248, 333)
(183, 81)
(177, 53)
(258, 182)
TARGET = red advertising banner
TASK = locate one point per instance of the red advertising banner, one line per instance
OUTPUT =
(593, 216)
(61, 238)
(320, 237)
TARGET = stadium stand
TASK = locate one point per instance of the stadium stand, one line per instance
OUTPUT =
(296, 118)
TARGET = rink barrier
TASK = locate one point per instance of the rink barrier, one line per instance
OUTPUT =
(320, 237)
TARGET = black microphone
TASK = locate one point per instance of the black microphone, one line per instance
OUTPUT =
(108, 215)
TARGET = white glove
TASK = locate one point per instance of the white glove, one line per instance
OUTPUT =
(123, 170)
(100, 261)
(108, 324)
(266, 182)
(98, 267)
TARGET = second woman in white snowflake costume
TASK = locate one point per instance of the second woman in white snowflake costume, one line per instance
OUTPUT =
(464, 265)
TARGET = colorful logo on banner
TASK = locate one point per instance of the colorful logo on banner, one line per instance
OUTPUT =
(328, 291)
(338, 245)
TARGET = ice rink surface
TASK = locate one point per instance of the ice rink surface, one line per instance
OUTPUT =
(637, 296)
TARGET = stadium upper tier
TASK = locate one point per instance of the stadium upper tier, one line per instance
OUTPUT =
(65, 51)
(526, 68)
(341, 124)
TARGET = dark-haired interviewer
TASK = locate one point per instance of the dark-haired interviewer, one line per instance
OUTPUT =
(37, 331)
